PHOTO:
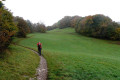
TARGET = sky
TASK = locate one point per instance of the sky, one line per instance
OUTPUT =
(50, 11)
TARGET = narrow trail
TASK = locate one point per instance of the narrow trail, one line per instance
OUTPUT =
(42, 70)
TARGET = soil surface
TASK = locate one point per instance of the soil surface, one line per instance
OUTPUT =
(42, 69)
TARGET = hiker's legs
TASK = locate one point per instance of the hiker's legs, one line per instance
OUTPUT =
(40, 51)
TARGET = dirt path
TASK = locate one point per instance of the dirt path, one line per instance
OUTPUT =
(42, 69)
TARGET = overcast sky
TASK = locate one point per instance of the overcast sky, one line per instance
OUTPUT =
(50, 11)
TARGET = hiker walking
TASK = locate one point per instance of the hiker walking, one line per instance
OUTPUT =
(39, 45)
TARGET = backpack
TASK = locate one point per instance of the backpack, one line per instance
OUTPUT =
(39, 45)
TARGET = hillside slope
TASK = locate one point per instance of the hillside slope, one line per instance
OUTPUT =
(71, 56)
(18, 63)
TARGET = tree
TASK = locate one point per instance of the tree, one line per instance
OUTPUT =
(30, 25)
(40, 27)
(22, 25)
(65, 22)
(1, 4)
(7, 27)
(54, 26)
(74, 21)
(98, 26)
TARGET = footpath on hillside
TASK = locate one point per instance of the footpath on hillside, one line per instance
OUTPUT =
(42, 70)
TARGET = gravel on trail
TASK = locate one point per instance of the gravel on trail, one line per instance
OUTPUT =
(42, 70)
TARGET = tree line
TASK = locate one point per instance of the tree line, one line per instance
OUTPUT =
(98, 26)
(26, 26)
(15, 26)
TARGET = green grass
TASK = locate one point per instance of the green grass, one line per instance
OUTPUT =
(18, 63)
(71, 56)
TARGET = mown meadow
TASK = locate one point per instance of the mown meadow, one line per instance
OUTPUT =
(71, 56)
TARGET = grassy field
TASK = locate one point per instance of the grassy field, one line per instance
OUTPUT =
(18, 63)
(71, 56)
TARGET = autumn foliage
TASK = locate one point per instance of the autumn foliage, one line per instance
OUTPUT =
(40, 27)
(23, 27)
(54, 26)
(98, 26)
(7, 27)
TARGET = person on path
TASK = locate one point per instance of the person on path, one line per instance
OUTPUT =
(39, 45)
